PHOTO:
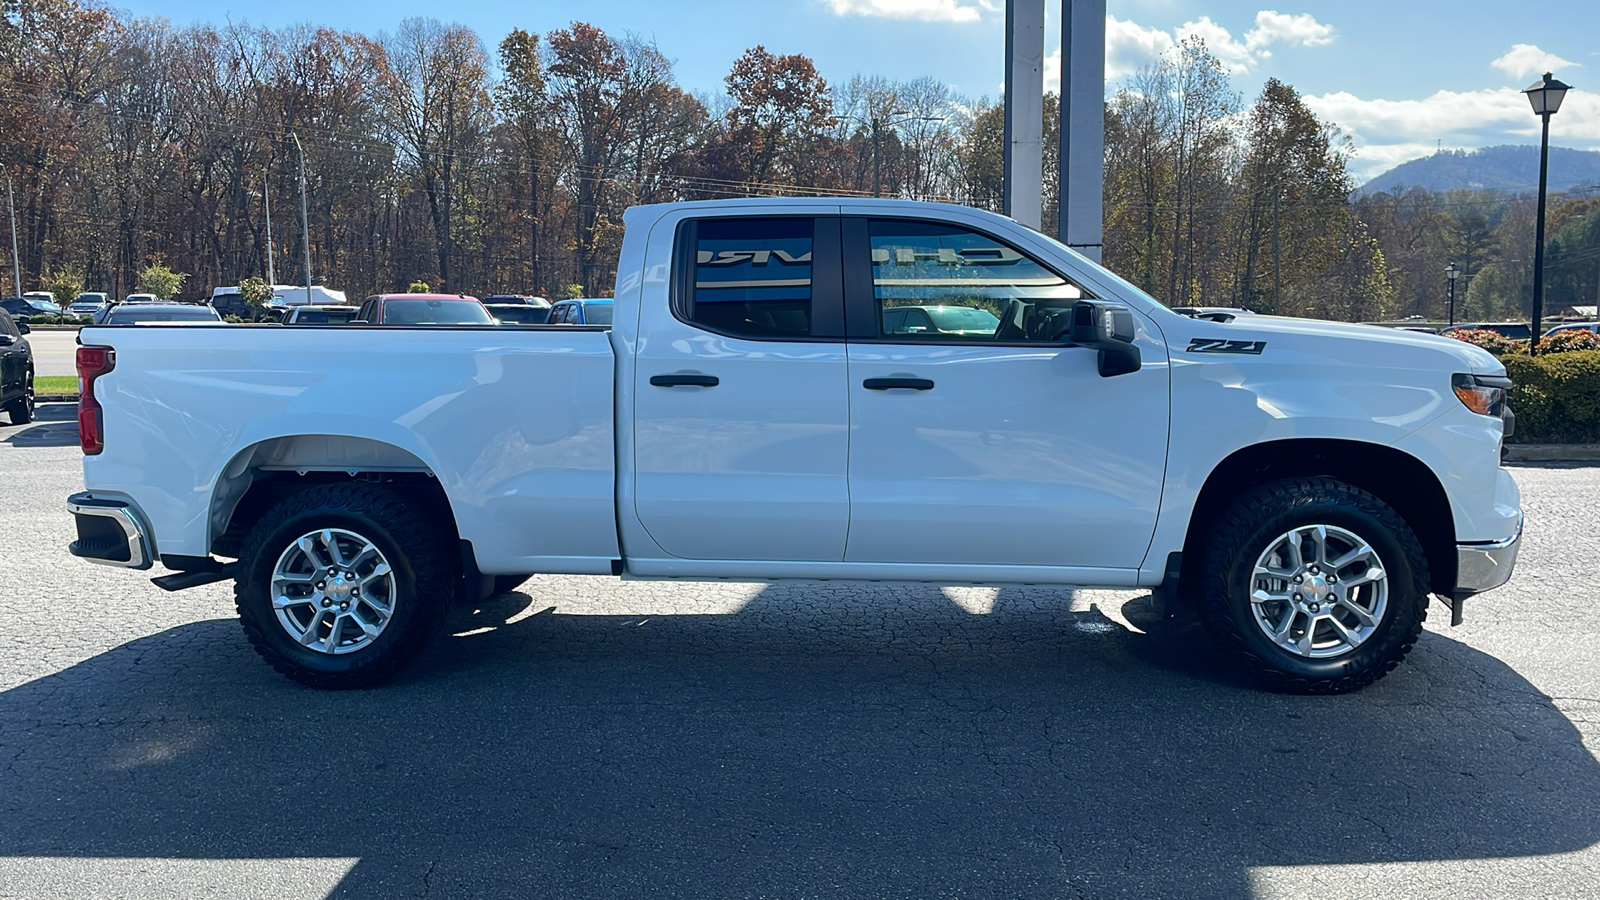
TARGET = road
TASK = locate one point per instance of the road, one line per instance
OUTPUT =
(586, 737)
(54, 351)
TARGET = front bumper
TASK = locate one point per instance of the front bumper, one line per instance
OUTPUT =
(110, 532)
(1483, 567)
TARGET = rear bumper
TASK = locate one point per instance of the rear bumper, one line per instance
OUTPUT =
(110, 532)
(1483, 567)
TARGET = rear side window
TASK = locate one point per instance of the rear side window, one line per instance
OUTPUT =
(597, 314)
(752, 277)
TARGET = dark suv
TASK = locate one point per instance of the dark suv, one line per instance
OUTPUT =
(16, 370)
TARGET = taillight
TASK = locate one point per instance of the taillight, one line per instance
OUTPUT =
(92, 363)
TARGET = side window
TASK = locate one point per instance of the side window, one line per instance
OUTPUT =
(945, 283)
(751, 277)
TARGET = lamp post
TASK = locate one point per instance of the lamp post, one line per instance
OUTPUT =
(266, 194)
(305, 229)
(16, 266)
(1546, 96)
(1451, 273)
(877, 124)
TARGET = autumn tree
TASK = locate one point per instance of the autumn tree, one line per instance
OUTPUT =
(781, 109)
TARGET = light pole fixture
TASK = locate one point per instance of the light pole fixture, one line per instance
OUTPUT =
(876, 124)
(1545, 96)
(266, 195)
(16, 266)
(1451, 273)
(305, 229)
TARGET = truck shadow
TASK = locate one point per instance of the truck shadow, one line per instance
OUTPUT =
(54, 425)
(822, 740)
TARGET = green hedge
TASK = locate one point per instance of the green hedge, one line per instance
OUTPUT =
(1556, 397)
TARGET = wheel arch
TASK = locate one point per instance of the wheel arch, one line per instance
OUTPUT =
(1393, 476)
(265, 472)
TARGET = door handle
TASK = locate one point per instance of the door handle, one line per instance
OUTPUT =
(886, 384)
(689, 379)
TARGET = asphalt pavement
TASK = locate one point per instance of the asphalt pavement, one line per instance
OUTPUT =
(588, 737)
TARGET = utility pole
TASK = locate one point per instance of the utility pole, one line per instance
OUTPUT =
(305, 228)
(877, 168)
(1277, 260)
(1022, 185)
(16, 265)
(1082, 149)
(266, 194)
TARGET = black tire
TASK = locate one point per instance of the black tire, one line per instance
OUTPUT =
(21, 409)
(419, 556)
(1250, 527)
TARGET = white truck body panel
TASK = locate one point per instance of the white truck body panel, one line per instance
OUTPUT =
(557, 454)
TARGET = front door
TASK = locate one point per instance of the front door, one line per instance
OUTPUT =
(978, 435)
(740, 418)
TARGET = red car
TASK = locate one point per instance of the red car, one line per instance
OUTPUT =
(422, 309)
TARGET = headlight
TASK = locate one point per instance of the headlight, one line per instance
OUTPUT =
(1483, 394)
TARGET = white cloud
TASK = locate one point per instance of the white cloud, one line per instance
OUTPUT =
(921, 10)
(1129, 46)
(1388, 132)
(1526, 59)
(1273, 27)
(1233, 54)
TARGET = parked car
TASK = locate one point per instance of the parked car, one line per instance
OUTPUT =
(45, 300)
(16, 370)
(1517, 331)
(87, 302)
(518, 313)
(583, 311)
(1309, 487)
(524, 299)
(423, 309)
(1591, 327)
(25, 308)
(318, 315)
(160, 314)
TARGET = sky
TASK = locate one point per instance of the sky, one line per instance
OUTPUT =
(1400, 77)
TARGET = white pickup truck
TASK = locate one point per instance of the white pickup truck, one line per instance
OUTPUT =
(812, 389)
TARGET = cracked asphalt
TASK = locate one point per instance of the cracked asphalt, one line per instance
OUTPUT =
(587, 737)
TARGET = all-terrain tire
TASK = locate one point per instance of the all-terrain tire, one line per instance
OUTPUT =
(1249, 528)
(419, 558)
(21, 409)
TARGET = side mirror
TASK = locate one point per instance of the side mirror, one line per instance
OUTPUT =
(1109, 329)
(22, 328)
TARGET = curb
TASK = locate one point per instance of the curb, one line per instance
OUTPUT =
(1552, 453)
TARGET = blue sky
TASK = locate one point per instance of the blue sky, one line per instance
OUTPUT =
(1398, 76)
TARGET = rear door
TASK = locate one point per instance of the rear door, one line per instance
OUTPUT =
(979, 434)
(740, 416)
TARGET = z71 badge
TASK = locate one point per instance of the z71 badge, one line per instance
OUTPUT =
(1218, 345)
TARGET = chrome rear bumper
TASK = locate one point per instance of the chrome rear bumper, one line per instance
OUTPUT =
(109, 533)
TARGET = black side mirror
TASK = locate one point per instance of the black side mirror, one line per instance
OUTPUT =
(1109, 329)
(22, 328)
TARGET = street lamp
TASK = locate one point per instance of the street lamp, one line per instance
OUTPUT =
(1546, 96)
(16, 267)
(305, 229)
(877, 124)
(1451, 273)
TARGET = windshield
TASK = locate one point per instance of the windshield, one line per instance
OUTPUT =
(435, 312)
(132, 315)
(597, 314)
(323, 316)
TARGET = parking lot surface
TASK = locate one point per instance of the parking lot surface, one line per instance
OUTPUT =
(587, 737)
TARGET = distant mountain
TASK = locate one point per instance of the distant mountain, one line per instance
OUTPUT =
(1506, 168)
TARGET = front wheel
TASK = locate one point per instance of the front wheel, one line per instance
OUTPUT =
(21, 409)
(341, 584)
(1318, 586)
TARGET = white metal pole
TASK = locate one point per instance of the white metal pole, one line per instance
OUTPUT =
(1024, 113)
(266, 194)
(16, 265)
(1080, 214)
(305, 228)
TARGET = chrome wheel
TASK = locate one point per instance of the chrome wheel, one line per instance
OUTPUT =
(333, 591)
(1319, 591)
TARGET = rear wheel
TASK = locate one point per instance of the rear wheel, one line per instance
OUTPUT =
(1318, 586)
(21, 409)
(342, 584)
